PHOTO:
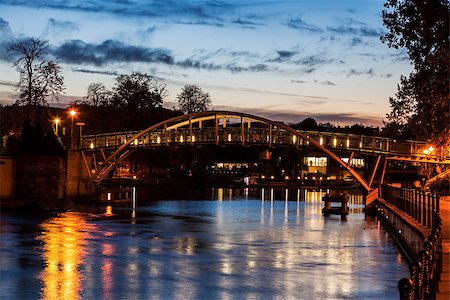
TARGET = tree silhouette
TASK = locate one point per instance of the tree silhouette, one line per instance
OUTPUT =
(138, 91)
(39, 78)
(420, 107)
(192, 99)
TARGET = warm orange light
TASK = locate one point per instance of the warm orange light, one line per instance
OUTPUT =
(56, 121)
(428, 150)
(73, 112)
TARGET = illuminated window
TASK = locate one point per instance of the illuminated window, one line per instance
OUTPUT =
(316, 161)
(356, 162)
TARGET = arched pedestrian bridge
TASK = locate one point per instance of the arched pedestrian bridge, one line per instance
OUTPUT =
(226, 127)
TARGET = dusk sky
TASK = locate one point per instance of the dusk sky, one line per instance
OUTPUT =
(285, 60)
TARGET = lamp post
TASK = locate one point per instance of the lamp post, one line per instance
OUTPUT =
(72, 113)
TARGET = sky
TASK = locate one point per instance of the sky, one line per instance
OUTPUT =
(283, 60)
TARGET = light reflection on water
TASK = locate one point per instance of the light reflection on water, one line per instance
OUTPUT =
(245, 244)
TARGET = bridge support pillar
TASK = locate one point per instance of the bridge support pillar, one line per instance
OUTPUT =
(79, 184)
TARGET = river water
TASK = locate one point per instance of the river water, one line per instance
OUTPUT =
(217, 244)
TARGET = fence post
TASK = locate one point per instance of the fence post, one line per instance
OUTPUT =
(429, 211)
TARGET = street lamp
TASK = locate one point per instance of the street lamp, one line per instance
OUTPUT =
(56, 121)
(72, 113)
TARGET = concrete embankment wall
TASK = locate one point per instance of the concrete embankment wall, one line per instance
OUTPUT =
(409, 233)
(78, 180)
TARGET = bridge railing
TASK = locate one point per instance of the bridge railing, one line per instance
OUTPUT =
(255, 134)
(425, 272)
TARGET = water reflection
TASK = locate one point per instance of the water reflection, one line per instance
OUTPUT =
(249, 244)
(64, 240)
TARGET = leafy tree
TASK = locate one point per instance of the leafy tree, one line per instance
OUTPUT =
(138, 91)
(97, 95)
(192, 99)
(420, 108)
(39, 78)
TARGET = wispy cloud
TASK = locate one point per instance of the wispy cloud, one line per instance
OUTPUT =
(65, 25)
(359, 29)
(6, 36)
(298, 81)
(246, 23)
(313, 60)
(288, 116)
(326, 82)
(89, 71)
(9, 83)
(297, 23)
(353, 72)
(110, 51)
(167, 8)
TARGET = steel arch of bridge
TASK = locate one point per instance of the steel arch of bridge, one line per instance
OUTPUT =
(188, 120)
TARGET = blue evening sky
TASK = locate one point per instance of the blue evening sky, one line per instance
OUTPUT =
(286, 60)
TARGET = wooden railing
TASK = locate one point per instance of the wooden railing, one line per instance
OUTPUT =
(426, 270)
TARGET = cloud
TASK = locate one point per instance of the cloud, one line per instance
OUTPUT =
(361, 30)
(206, 23)
(114, 73)
(356, 41)
(289, 116)
(6, 37)
(167, 8)
(297, 81)
(65, 25)
(297, 23)
(353, 72)
(232, 67)
(246, 23)
(110, 51)
(387, 75)
(313, 60)
(326, 82)
(9, 83)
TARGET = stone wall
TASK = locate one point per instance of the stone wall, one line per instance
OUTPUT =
(7, 177)
(42, 180)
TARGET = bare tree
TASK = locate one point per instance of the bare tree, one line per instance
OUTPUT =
(39, 78)
(97, 95)
(192, 99)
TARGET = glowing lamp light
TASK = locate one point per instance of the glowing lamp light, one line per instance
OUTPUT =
(181, 139)
(108, 196)
(158, 140)
(91, 145)
(57, 121)
(286, 177)
(229, 137)
(334, 142)
(136, 142)
(321, 140)
(73, 112)
(294, 139)
(193, 138)
(272, 177)
(263, 177)
(428, 150)
(348, 143)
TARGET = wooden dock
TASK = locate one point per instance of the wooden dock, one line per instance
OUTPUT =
(114, 195)
(337, 210)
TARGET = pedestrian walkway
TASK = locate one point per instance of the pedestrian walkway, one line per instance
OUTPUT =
(444, 285)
